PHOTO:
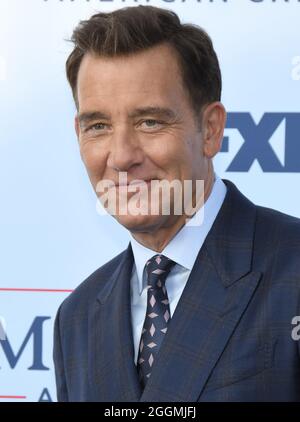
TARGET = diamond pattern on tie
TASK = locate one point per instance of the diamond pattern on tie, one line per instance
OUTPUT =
(157, 314)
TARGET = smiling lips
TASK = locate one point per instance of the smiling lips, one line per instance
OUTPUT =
(141, 182)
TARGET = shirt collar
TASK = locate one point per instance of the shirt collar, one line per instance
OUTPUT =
(189, 238)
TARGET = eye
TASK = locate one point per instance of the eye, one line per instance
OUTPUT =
(96, 127)
(151, 123)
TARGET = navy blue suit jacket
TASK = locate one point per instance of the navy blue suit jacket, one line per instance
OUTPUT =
(229, 338)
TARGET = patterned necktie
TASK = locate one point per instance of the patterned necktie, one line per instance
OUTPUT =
(157, 315)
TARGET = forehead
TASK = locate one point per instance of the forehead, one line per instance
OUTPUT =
(151, 74)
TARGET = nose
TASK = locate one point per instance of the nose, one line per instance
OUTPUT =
(125, 150)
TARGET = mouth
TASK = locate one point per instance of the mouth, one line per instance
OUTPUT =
(135, 183)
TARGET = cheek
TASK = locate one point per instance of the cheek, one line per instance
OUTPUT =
(94, 160)
(180, 156)
(167, 151)
(193, 153)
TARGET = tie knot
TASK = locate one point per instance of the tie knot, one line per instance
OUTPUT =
(158, 268)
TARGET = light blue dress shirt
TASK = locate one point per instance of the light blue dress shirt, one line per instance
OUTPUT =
(189, 238)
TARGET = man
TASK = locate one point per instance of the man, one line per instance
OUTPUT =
(188, 312)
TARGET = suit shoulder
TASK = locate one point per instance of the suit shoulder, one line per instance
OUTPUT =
(277, 240)
(276, 249)
(89, 288)
(283, 225)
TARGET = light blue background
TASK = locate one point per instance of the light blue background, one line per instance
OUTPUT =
(50, 234)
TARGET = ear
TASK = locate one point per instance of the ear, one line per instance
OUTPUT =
(77, 127)
(213, 124)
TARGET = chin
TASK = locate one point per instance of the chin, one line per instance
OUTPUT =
(140, 223)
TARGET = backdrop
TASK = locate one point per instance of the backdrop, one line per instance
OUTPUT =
(51, 235)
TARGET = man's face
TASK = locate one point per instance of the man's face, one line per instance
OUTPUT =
(118, 132)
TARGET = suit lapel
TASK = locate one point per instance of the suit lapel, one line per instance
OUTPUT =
(112, 370)
(215, 297)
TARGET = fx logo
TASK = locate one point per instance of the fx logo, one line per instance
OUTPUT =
(256, 144)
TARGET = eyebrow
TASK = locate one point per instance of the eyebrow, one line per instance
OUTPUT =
(162, 112)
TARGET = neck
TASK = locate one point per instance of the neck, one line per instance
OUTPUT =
(158, 239)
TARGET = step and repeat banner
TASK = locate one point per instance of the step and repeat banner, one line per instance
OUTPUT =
(51, 236)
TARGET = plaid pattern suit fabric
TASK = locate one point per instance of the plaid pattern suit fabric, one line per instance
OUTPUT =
(229, 338)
